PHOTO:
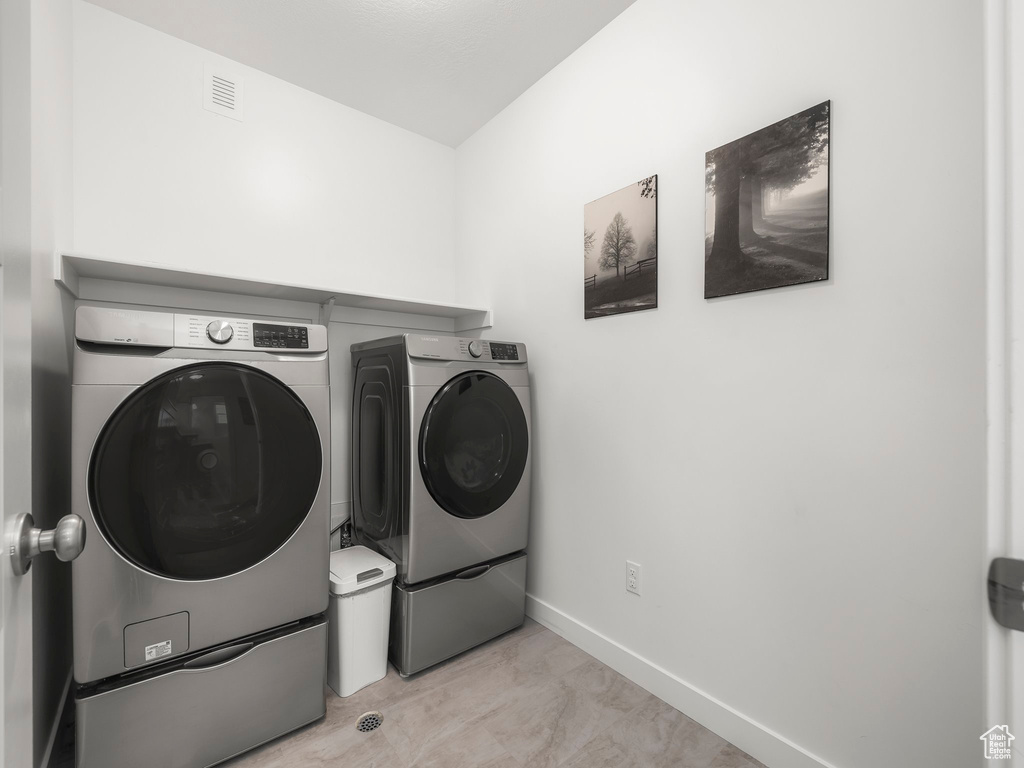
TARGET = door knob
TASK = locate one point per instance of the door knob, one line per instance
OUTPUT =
(66, 541)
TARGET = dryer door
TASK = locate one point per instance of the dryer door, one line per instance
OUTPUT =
(205, 471)
(376, 455)
(474, 444)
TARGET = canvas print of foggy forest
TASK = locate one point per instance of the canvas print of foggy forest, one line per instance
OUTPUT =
(766, 214)
(620, 251)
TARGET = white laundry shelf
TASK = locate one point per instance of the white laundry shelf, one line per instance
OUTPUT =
(70, 269)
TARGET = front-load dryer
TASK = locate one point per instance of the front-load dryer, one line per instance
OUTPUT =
(200, 461)
(441, 485)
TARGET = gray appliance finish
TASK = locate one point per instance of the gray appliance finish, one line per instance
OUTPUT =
(207, 709)
(434, 621)
(441, 485)
(200, 466)
(112, 590)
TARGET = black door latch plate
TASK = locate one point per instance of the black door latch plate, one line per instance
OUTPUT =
(1006, 592)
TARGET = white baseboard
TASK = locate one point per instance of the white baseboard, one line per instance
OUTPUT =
(55, 727)
(769, 747)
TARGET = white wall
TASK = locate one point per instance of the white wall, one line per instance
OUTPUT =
(800, 472)
(304, 190)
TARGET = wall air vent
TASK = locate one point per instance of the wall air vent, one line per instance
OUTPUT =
(222, 92)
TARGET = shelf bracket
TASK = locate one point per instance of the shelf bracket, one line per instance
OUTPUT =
(326, 310)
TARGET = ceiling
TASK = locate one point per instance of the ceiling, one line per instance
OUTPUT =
(440, 68)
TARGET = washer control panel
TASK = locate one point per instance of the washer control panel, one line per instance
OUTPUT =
(211, 332)
(104, 325)
(287, 336)
(242, 334)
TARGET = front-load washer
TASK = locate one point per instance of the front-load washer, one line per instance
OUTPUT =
(200, 465)
(441, 486)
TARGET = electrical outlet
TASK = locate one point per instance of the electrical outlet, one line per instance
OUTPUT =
(632, 577)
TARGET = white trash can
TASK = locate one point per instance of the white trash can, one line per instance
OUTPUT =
(360, 614)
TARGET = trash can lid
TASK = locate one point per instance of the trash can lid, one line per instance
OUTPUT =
(356, 568)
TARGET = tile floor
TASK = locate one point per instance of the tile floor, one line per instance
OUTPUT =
(528, 698)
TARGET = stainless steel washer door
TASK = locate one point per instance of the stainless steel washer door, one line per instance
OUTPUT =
(205, 471)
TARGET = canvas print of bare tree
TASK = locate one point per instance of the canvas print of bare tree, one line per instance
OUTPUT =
(620, 251)
(766, 214)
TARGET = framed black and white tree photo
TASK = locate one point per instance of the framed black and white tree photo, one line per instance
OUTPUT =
(620, 251)
(766, 207)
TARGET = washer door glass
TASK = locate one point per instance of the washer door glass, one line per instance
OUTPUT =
(205, 471)
(474, 444)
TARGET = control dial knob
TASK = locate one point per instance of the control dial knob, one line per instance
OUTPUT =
(220, 332)
(476, 348)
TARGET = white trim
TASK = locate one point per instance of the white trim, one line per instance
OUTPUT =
(73, 269)
(58, 719)
(761, 742)
(998, 355)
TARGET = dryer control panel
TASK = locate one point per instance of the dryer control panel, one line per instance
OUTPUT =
(104, 325)
(459, 348)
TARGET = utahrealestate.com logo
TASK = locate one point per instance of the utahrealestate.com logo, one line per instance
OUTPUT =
(997, 742)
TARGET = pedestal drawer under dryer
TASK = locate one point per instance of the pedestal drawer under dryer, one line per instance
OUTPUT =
(437, 620)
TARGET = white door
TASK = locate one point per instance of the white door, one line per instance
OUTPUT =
(16, 617)
(16, 705)
(1004, 40)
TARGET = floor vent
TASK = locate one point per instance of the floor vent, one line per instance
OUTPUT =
(222, 93)
(369, 722)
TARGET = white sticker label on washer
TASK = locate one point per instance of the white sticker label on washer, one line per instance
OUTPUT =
(158, 650)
